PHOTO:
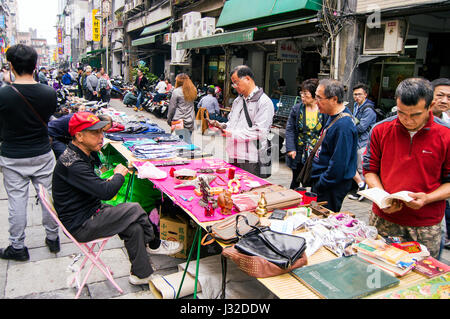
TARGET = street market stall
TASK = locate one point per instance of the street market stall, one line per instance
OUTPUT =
(334, 242)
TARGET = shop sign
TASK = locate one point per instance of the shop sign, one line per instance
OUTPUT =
(106, 8)
(2, 21)
(60, 42)
(96, 30)
(67, 25)
(88, 27)
(166, 38)
(67, 46)
(287, 50)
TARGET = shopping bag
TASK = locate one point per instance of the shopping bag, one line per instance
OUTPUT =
(177, 125)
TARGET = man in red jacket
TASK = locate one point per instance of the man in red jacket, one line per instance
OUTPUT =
(411, 152)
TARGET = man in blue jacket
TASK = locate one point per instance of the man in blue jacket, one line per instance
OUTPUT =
(364, 113)
(334, 163)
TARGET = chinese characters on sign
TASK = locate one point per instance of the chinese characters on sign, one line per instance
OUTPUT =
(96, 30)
(287, 50)
(60, 42)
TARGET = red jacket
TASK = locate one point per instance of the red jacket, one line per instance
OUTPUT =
(417, 164)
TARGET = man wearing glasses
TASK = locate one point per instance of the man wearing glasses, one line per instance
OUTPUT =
(440, 108)
(334, 165)
(364, 113)
(411, 152)
(248, 125)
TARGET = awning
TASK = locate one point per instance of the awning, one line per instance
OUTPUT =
(238, 11)
(157, 27)
(145, 40)
(233, 37)
(95, 52)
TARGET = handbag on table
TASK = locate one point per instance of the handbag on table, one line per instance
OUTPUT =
(229, 229)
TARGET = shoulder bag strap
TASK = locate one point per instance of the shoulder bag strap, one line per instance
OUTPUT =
(316, 147)
(29, 105)
(247, 116)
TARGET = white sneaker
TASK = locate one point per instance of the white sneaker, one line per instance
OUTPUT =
(167, 247)
(135, 280)
(361, 189)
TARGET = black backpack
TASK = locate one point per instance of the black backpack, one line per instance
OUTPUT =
(381, 115)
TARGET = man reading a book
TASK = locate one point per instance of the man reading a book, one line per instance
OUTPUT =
(410, 152)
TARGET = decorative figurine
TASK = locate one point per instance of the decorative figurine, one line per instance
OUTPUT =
(207, 196)
(196, 182)
(225, 203)
(261, 210)
(209, 210)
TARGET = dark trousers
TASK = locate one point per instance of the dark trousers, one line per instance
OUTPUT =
(218, 118)
(131, 222)
(58, 147)
(257, 169)
(295, 173)
(334, 195)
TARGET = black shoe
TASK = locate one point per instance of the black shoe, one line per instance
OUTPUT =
(53, 245)
(15, 254)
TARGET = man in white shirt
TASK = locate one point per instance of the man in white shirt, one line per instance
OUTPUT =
(161, 89)
(247, 141)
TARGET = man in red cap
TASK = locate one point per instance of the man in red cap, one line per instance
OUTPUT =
(78, 192)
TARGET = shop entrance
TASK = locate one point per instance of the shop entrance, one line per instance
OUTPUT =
(384, 77)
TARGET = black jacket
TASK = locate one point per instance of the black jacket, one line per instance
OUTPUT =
(77, 191)
(142, 85)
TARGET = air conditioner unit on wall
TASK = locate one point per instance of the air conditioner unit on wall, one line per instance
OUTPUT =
(178, 56)
(387, 38)
(206, 27)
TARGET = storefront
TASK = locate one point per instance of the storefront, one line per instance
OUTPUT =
(271, 41)
(424, 53)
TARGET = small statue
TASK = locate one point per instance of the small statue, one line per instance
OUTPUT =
(196, 182)
(225, 203)
(261, 210)
(207, 197)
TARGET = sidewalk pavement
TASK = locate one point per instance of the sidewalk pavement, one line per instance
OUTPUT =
(45, 275)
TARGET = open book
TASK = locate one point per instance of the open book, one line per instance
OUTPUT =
(382, 198)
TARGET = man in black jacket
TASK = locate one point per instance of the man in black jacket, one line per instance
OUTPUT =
(78, 192)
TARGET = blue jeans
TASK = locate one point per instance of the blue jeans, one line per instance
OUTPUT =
(139, 98)
(159, 97)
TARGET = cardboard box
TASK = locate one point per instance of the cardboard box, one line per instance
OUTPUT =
(177, 229)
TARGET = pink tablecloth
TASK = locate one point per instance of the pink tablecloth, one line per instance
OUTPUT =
(167, 186)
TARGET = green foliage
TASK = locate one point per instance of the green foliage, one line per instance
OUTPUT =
(150, 76)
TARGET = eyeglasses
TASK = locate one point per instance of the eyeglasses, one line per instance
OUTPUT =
(305, 93)
(319, 98)
(357, 94)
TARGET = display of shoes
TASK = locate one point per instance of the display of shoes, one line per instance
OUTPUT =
(53, 245)
(167, 247)
(15, 254)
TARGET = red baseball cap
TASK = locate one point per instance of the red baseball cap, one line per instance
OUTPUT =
(85, 121)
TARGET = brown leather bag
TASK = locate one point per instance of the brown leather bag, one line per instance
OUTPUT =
(225, 230)
(259, 267)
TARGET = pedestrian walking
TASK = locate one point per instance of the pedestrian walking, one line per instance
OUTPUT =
(26, 155)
